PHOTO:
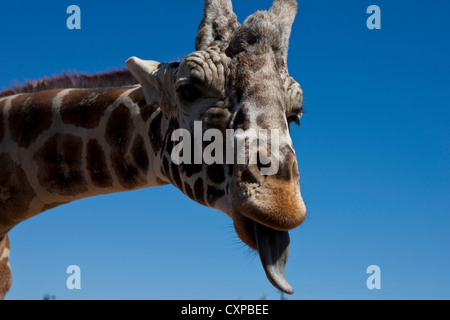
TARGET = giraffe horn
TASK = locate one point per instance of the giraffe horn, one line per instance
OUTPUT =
(218, 24)
(285, 11)
(273, 248)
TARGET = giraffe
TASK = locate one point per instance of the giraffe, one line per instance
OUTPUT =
(78, 136)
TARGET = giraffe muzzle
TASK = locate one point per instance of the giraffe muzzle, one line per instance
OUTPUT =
(274, 201)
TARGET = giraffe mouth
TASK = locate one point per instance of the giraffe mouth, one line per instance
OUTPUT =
(272, 246)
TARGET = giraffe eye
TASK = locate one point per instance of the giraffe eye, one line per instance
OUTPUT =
(295, 119)
(189, 92)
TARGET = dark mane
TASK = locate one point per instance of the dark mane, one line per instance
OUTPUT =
(114, 78)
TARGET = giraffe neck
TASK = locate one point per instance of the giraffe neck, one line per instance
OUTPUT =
(57, 146)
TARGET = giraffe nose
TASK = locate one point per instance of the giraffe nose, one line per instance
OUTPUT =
(273, 200)
(281, 166)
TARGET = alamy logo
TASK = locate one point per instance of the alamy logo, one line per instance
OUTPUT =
(74, 20)
(374, 21)
(374, 281)
(74, 280)
(239, 147)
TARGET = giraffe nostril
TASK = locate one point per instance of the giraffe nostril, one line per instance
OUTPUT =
(295, 172)
(287, 168)
(264, 164)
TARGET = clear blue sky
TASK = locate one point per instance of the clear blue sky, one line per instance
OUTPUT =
(373, 154)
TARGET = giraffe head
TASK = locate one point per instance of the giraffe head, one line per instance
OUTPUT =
(235, 90)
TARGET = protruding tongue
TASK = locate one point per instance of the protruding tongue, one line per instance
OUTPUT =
(273, 247)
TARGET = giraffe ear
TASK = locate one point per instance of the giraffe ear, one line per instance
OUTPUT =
(145, 72)
(156, 80)
(217, 26)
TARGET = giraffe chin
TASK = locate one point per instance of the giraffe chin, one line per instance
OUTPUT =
(272, 246)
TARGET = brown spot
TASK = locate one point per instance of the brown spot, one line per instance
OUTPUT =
(118, 131)
(30, 115)
(146, 110)
(261, 121)
(154, 133)
(199, 191)
(140, 153)
(16, 193)
(218, 118)
(168, 144)
(213, 194)
(138, 97)
(85, 108)
(190, 169)
(241, 120)
(216, 173)
(96, 165)
(59, 162)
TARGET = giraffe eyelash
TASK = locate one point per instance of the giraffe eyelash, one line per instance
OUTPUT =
(294, 119)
